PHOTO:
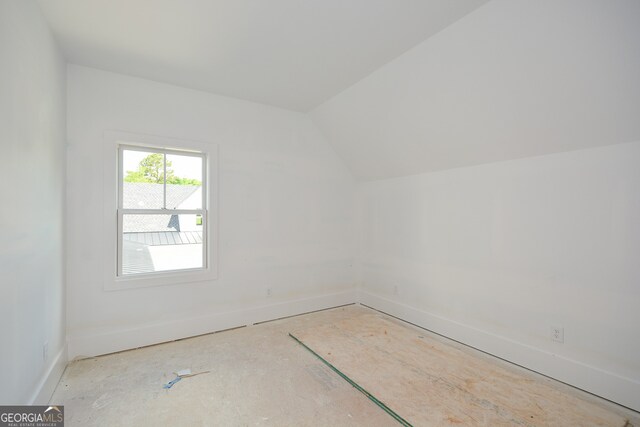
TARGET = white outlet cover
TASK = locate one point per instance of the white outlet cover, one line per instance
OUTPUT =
(557, 333)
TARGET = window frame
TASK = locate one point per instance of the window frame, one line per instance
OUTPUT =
(115, 144)
(122, 211)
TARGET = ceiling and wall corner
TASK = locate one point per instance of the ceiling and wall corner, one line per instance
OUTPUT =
(293, 54)
(514, 78)
(441, 84)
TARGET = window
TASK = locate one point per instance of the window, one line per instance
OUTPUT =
(160, 212)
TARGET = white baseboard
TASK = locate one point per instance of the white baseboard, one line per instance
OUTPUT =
(95, 344)
(624, 391)
(47, 384)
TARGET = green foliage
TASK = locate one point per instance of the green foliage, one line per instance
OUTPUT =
(151, 169)
(136, 176)
(183, 181)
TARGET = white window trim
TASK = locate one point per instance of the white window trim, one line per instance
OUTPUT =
(112, 141)
(128, 211)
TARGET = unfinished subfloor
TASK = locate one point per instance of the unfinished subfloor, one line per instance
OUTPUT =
(258, 376)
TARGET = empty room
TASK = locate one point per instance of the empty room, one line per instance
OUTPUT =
(320, 213)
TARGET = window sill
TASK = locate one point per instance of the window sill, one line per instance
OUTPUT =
(158, 279)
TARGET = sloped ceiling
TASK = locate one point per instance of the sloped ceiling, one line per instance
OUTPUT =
(293, 54)
(514, 78)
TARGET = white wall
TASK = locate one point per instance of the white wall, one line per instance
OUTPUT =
(494, 255)
(32, 140)
(514, 78)
(286, 208)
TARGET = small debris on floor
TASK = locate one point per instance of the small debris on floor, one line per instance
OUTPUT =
(183, 373)
(172, 382)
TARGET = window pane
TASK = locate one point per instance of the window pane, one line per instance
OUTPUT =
(184, 182)
(142, 180)
(153, 243)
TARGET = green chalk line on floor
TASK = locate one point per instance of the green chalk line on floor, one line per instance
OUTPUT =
(356, 386)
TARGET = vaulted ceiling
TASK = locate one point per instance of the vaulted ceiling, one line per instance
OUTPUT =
(293, 54)
(398, 87)
(515, 78)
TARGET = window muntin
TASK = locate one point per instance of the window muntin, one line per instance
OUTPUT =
(162, 216)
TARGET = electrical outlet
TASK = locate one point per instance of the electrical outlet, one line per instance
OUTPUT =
(557, 333)
(45, 351)
(269, 293)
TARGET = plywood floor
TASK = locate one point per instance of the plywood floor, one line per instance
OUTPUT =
(431, 382)
(259, 376)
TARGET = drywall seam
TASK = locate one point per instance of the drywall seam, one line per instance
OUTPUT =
(621, 390)
(50, 379)
(94, 344)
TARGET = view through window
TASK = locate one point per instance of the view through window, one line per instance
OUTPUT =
(162, 215)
